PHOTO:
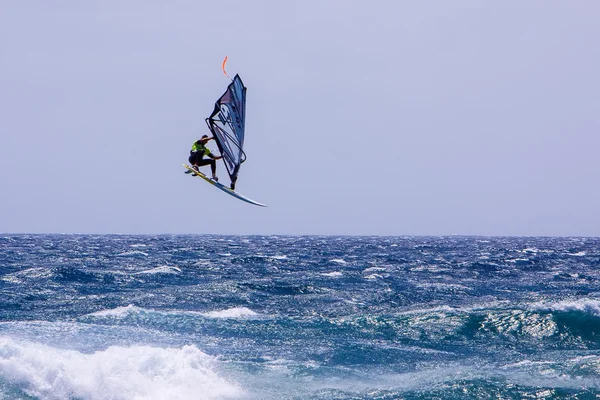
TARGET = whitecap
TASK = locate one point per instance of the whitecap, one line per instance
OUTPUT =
(529, 250)
(334, 274)
(439, 309)
(163, 269)
(583, 305)
(231, 313)
(374, 269)
(29, 273)
(441, 286)
(118, 312)
(132, 253)
(526, 363)
(117, 372)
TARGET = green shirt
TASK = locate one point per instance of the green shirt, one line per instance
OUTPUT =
(199, 147)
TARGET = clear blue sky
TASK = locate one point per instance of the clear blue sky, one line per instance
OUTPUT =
(374, 118)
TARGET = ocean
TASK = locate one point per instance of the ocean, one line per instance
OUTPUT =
(298, 317)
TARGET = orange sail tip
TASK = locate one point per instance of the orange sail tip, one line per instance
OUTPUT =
(223, 67)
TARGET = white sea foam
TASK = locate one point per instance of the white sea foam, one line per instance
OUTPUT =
(29, 273)
(277, 257)
(432, 268)
(338, 260)
(231, 313)
(441, 286)
(435, 310)
(334, 274)
(203, 263)
(514, 260)
(492, 305)
(526, 363)
(535, 250)
(118, 312)
(122, 312)
(132, 253)
(374, 269)
(589, 306)
(530, 250)
(10, 278)
(374, 276)
(163, 269)
(428, 378)
(116, 373)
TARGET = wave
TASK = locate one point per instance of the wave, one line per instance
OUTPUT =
(163, 269)
(118, 312)
(132, 253)
(450, 287)
(278, 257)
(334, 274)
(77, 275)
(125, 311)
(232, 313)
(374, 269)
(27, 274)
(569, 325)
(113, 373)
(586, 306)
(478, 380)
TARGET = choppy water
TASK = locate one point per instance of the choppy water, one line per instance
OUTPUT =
(236, 317)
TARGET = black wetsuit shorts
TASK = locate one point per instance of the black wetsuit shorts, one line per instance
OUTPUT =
(198, 159)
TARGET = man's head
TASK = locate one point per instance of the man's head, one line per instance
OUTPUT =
(204, 139)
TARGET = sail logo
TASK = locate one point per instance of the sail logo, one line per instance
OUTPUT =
(224, 115)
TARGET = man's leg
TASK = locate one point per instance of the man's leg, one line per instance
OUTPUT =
(192, 160)
(203, 162)
(213, 167)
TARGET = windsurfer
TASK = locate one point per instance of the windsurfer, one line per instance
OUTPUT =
(199, 150)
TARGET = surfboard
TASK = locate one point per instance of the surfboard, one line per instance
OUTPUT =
(223, 187)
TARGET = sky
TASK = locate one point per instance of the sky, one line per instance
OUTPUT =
(363, 118)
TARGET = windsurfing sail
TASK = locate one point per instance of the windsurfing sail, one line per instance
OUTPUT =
(227, 126)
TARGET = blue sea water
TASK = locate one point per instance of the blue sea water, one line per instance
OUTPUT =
(305, 317)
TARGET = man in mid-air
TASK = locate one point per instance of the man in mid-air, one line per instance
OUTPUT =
(199, 150)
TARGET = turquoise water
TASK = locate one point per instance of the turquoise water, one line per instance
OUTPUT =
(282, 317)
